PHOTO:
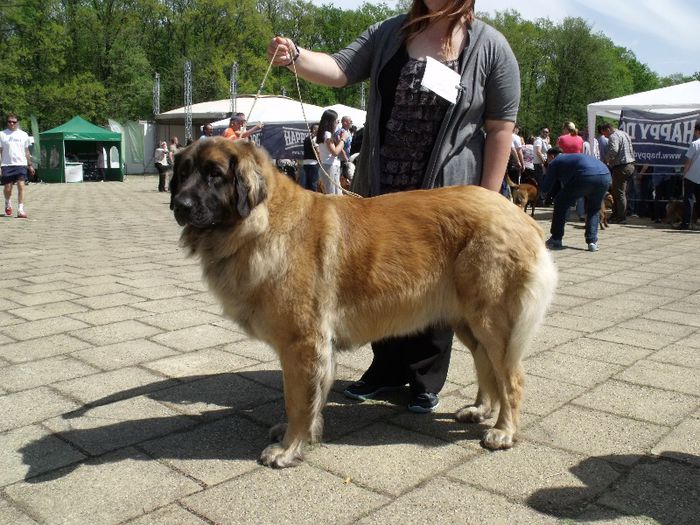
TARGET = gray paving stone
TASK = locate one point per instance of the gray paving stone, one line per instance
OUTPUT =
(396, 449)
(662, 375)
(114, 385)
(109, 315)
(569, 368)
(216, 395)
(209, 361)
(685, 307)
(587, 291)
(11, 515)
(605, 351)
(180, 319)
(690, 319)
(291, 496)
(109, 300)
(196, 337)
(31, 406)
(636, 337)
(19, 454)
(36, 289)
(108, 286)
(549, 337)
(44, 311)
(251, 348)
(602, 515)
(639, 402)
(118, 425)
(114, 489)
(683, 443)
(124, 354)
(442, 423)
(341, 416)
(70, 277)
(7, 319)
(160, 292)
(42, 328)
(661, 490)
(595, 433)
(170, 515)
(115, 332)
(442, 501)
(543, 395)
(20, 352)
(571, 321)
(547, 479)
(678, 354)
(174, 304)
(31, 374)
(214, 452)
(658, 327)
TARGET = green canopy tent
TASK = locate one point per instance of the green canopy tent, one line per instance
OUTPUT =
(79, 139)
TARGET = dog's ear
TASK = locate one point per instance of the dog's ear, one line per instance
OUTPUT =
(247, 167)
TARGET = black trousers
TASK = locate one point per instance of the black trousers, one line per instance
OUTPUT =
(421, 360)
(162, 172)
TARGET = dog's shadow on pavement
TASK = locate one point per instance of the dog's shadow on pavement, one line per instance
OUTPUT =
(217, 417)
(663, 489)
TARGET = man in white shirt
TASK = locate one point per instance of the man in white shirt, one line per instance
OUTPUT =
(691, 180)
(16, 162)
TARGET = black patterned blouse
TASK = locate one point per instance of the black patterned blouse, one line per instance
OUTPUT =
(411, 130)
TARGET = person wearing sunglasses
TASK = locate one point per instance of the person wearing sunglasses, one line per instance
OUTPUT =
(16, 162)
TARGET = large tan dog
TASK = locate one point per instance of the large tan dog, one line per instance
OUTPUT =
(310, 274)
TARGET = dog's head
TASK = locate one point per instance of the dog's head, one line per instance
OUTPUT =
(217, 182)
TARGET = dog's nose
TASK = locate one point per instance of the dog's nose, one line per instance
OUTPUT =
(182, 206)
(183, 202)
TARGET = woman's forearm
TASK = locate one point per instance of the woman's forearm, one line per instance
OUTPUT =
(319, 68)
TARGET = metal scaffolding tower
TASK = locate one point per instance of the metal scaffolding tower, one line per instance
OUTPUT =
(188, 101)
(234, 86)
(156, 95)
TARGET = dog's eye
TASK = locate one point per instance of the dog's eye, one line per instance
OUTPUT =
(216, 172)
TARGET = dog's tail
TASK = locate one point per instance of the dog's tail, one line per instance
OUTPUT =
(540, 286)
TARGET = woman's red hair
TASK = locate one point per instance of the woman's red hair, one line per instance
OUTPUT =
(456, 11)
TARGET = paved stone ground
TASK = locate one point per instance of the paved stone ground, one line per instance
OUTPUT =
(99, 306)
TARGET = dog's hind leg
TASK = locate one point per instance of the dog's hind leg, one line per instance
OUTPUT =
(486, 402)
(308, 373)
(506, 356)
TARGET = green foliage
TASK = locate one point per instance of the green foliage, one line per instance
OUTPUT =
(97, 58)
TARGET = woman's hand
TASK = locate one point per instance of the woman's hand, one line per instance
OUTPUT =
(282, 49)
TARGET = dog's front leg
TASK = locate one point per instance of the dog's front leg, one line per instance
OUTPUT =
(308, 373)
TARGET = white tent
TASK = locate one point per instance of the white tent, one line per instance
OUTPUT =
(681, 98)
(267, 109)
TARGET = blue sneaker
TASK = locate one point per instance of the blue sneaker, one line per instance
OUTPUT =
(362, 390)
(424, 403)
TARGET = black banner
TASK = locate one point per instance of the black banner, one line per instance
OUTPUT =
(282, 141)
(659, 140)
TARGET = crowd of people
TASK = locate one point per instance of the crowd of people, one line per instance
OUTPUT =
(636, 189)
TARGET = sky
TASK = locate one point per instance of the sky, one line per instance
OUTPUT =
(659, 32)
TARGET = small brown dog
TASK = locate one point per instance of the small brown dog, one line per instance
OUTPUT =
(525, 194)
(606, 205)
(674, 212)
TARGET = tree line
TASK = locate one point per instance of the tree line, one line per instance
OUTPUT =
(98, 58)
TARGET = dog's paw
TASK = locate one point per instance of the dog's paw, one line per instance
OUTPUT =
(276, 456)
(277, 432)
(473, 414)
(497, 439)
